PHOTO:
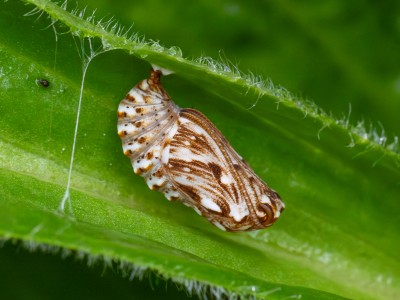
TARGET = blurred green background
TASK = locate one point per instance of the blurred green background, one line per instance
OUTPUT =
(22, 273)
(334, 52)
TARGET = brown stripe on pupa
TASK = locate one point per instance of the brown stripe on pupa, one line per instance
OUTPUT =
(216, 170)
(196, 167)
(121, 114)
(130, 98)
(141, 140)
(147, 99)
(190, 191)
(122, 133)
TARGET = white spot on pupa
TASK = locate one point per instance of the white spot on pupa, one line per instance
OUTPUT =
(236, 213)
(187, 143)
(186, 169)
(169, 194)
(156, 181)
(197, 210)
(128, 109)
(226, 180)
(156, 151)
(165, 155)
(144, 163)
(138, 97)
(193, 137)
(134, 147)
(144, 85)
(128, 127)
(265, 199)
(219, 225)
(209, 204)
(184, 120)
(173, 130)
(163, 70)
(183, 180)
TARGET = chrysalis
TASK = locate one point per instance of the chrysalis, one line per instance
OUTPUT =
(183, 155)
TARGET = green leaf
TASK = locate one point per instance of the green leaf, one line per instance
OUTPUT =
(22, 273)
(337, 237)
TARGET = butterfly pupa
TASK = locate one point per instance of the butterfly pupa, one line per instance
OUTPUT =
(181, 153)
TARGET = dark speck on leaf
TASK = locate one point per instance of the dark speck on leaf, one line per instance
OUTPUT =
(43, 82)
